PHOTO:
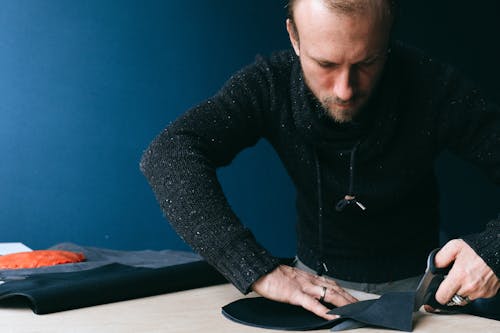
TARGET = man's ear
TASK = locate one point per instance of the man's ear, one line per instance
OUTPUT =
(293, 35)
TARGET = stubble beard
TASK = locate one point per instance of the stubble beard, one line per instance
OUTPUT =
(333, 108)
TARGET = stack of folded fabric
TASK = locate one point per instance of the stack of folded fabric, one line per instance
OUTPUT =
(78, 276)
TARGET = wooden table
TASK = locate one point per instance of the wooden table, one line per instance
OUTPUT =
(197, 310)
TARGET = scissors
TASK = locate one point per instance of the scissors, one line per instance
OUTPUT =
(428, 285)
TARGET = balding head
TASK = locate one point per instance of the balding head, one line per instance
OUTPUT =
(386, 9)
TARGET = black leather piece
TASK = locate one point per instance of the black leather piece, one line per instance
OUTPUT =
(263, 313)
(348, 324)
(53, 292)
(392, 310)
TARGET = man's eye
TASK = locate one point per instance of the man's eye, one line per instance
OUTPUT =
(327, 64)
(368, 63)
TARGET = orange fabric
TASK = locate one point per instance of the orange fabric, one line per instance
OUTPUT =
(39, 258)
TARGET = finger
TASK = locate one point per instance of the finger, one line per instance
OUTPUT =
(447, 254)
(466, 296)
(334, 287)
(339, 297)
(312, 281)
(449, 287)
(313, 286)
(469, 292)
(313, 305)
(333, 294)
(314, 290)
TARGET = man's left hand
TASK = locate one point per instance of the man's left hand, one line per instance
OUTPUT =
(469, 277)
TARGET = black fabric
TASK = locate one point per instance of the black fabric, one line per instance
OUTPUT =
(393, 310)
(53, 292)
(264, 313)
(348, 324)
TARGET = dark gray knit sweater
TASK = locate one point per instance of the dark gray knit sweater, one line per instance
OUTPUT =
(384, 159)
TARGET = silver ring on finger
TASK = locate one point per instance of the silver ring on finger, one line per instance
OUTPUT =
(458, 300)
(323, 293)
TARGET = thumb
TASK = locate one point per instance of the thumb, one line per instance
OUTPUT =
(447, 254)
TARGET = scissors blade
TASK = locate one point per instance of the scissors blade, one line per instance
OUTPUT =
(422, 289)
(424, 286)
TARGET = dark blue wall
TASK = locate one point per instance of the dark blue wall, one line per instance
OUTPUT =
(86, 84)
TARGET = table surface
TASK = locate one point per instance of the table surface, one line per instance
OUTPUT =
(197, 310)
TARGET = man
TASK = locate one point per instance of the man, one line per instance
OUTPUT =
(357, 120)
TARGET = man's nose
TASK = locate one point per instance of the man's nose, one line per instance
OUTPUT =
(343, 87)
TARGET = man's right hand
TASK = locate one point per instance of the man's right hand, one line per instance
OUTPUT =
(290, 285)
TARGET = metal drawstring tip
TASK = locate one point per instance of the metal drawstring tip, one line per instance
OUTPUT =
(360, 205)
(322, 269)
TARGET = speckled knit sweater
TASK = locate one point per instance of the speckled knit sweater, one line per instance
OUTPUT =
(420, 108)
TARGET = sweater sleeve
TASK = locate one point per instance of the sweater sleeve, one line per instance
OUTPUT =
(469, 126)
(487, 244)
(180, 165)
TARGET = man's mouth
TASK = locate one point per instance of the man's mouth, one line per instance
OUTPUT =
(343, 106)
(340, 104)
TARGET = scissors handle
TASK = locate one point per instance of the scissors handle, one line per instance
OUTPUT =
(431, 264)
(439, 276)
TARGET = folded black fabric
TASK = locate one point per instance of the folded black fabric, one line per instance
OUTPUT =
(53, 292)
(392, 310)
(98, 257)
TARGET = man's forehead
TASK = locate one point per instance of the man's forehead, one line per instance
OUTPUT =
(316, 24)
(352, 56)
(330, 37)
(346, 7)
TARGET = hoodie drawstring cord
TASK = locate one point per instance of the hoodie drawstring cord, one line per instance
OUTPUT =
(340, 206)
(321, 269)
(350, 198)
